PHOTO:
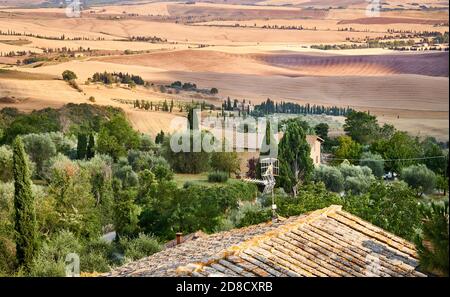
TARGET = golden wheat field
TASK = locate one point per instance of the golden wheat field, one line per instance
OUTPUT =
(265, 49)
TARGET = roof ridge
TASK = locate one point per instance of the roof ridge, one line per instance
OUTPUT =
(254, 241)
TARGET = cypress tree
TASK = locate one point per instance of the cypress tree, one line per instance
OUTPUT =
(90, 151)
(25, 216)
(81, 146)
(294, 158)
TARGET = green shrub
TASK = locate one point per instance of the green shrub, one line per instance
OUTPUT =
(95, 256)
(69, 75)
(420, 178)
(374, 162)
(7, 255)
(139, 247)
(50, 260)
(432, 244)
(6, 164)
(330, 176)
(218, 177)
(357, 185)
(253, 217)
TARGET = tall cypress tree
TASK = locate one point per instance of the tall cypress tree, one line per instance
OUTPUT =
(90, 151)
(81, 146)
(25, 216)
(269, 146)
(295, 163)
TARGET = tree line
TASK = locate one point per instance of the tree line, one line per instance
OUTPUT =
(271, 107)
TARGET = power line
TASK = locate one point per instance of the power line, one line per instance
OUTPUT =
(387, 160)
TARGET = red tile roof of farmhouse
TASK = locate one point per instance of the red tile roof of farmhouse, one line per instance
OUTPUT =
(325, 242)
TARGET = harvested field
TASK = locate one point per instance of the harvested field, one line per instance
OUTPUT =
(222, 45)
(425, 64)
(432, 64)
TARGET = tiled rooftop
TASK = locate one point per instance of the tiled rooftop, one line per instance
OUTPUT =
(326, 242)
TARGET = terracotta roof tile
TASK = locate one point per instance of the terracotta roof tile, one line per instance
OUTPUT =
(326, 242)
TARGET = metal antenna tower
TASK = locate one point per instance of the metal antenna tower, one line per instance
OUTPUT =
(269, 169)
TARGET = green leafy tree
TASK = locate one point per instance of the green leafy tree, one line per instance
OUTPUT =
(126, 212)
(437, 159)
(399, 149)
(374, 162)
(321, 130)
(391, 206)
(25, 216)
(295, 163)
(361, 127)
(71, 189)
(225, 161)
(310, 197)
(442, 183)
(147, 143)
(347, 149)
(40, 148)
(116, 137)
(386, 131)
(420, 178)
(188, 161)
(432, 244)
(330, 176)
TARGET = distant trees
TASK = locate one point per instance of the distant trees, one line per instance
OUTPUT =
(420, 178)
(69, 75)
(270, 107)
(159, 139)
(214, 91)
(110, 78)
(25, 216)
(46, 120)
